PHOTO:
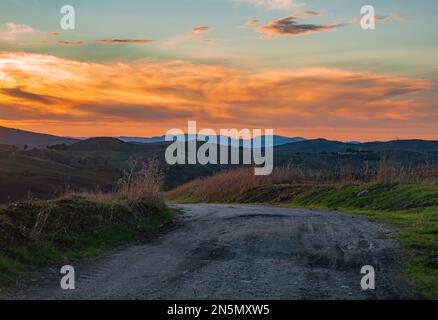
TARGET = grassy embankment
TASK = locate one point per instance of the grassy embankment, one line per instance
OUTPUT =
(412, 208)
(39, 233)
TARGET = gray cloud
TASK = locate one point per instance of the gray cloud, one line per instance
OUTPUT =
(21, 94)
(289, 26)
(123, 41)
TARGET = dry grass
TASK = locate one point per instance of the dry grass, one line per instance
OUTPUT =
(228, 185)
(425, 174)
(141, 180)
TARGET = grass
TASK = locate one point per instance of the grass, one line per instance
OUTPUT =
(80, 224)
(98, 227)
(46, 179)
(373, 196)
(412, 209)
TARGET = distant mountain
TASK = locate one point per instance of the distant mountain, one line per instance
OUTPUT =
(142, 140)
(323, 145)
(278, 140)
(406, 145)
(20, 138)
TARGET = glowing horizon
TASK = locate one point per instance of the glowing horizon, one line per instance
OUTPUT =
(302, 70)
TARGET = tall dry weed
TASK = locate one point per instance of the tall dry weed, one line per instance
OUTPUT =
(141, 180)
(228, 185)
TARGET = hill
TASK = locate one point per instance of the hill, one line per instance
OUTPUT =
(99, 162)
(405, 145)
(323, 145)
(101, 144)
(21, 138)
(314, 146)
(142, 140)
(278, 140)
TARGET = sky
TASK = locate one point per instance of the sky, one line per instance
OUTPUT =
(141, 68)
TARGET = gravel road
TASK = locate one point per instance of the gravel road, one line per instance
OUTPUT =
(242, 252)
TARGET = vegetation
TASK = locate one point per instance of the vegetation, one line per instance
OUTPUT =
(91, 164)
(411, 208)
(395, 182)
(405, 198)
(241, 185)
(77, 225)
(97, 163)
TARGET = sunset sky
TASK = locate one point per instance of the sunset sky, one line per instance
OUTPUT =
(140, 68)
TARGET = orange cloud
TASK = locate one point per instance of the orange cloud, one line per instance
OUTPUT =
(251, 22)
(148, 97)
(50, 34)
(197, 34)
(11, 31)
(396, 16)
(198, 31)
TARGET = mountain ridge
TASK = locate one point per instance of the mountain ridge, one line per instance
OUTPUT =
(23, 138)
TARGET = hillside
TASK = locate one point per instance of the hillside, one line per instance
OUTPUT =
(99, 162)
(101, 144)
(323, 145)
(406, 145)
(277, 140)
(314, 146)
(21, 138)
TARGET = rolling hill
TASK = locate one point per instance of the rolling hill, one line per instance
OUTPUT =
(101, 144)
(98, 162)
(21, 138)
(323, 145)
(277, 140)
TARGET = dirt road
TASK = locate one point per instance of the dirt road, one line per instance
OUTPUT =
(243, 252)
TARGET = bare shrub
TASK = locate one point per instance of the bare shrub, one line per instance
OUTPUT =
(141, 180)
(388, 173)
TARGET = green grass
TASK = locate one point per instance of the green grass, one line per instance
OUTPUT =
(131, 220)
(412, 209)
(373, 197)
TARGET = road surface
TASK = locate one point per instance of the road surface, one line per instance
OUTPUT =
(242, 252)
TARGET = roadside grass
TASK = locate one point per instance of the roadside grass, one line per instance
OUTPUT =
(372, 196)
(78, 225)
(418, 231)
(74, 229)
(411, 209)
